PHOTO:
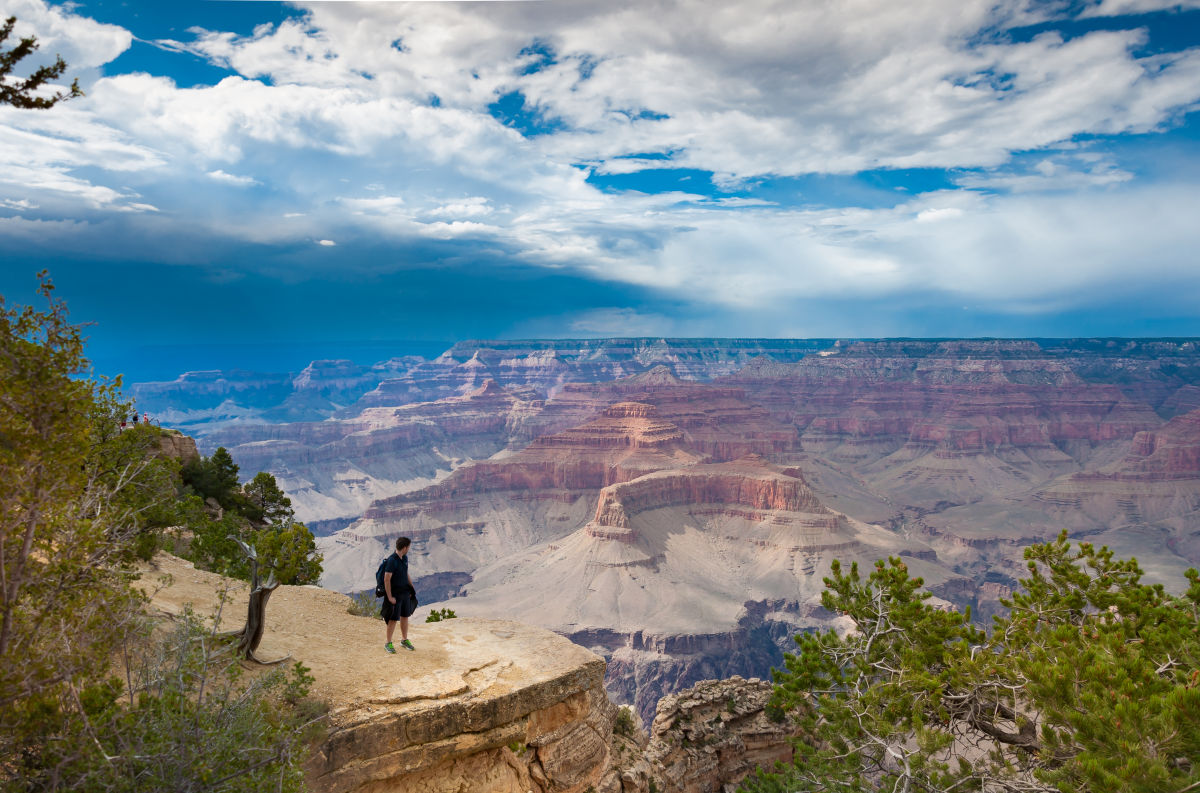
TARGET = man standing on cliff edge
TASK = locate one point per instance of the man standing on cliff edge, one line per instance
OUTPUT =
(400, 596)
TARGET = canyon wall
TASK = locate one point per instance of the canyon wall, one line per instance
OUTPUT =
(674, 504)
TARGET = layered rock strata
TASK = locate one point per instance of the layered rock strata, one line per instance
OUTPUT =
(547, 365)
(492, 508)
(690, 573)
(337, 468)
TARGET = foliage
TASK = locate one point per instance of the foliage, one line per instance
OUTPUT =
(624, 724)
(215, 477)
(22, 93)
(78, 498)
(291, 551)
(437, 615)
(265, 501)
(364, 604)
(258, 514)
(1091, 683)
(68, 511)
(183, 718)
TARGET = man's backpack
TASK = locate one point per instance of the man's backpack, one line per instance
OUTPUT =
(379, 589)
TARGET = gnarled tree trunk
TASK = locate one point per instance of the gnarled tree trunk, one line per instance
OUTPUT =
(251, 635)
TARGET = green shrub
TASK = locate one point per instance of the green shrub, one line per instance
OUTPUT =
(437, 615)
(364, 604)
(624, 724)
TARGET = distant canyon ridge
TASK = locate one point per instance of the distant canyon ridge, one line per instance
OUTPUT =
(673, 504)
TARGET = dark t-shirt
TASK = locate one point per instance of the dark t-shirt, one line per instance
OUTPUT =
(398, 567)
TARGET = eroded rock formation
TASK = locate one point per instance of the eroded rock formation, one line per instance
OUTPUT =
(708, 738)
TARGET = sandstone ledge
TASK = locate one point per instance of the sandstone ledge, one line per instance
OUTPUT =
(482, 705)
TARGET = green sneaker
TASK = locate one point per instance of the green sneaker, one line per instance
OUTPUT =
(391, 648)
(408, 644)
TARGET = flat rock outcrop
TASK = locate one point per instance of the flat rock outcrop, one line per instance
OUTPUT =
(491, 706)
(175, 445)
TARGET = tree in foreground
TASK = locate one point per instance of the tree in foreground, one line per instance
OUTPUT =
(23, 92)
(1091, 683)
(77, 499)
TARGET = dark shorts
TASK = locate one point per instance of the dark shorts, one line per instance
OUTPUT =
(404, 606)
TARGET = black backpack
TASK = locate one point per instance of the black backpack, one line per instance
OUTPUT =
(379, 590)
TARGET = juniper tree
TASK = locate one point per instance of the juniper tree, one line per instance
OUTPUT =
(1090, 683)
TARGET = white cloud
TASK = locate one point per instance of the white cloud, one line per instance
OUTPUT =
(233, 179)
(82, 42)
(345, 131)
(1108, 8)
(1074, 172)
(934, 215)
(470, 206)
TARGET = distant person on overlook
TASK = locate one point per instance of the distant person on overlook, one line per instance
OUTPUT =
(400, 596)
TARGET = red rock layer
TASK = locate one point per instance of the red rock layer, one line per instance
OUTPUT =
(626, 441)
(956, 406)
(1171, 452)
(750, 484)
(721, 423)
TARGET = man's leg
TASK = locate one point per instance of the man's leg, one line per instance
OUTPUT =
(404, 642)
(391, 628)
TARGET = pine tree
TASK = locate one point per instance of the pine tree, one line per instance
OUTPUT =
(23, 93)
(1091, 683)
(267, 503)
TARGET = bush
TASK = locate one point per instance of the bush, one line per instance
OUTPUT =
(364, 604)
(437, 615)
(624, 724)
(79, 500)
(186, 717)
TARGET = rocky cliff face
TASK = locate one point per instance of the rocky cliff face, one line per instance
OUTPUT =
(201, 402)
(491, 508)
(547, 365)
(708, 738)
(177, 446)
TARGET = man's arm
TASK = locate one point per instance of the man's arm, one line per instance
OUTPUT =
(387, 586)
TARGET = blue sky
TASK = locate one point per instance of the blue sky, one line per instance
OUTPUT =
(311, 177)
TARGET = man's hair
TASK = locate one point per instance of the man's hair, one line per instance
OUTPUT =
(402, 543)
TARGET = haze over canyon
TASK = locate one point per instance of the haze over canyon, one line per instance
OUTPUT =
(673, 504)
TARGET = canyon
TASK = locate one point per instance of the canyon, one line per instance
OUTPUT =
(673, 505)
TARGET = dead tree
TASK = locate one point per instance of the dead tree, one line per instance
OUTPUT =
(251, 635)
